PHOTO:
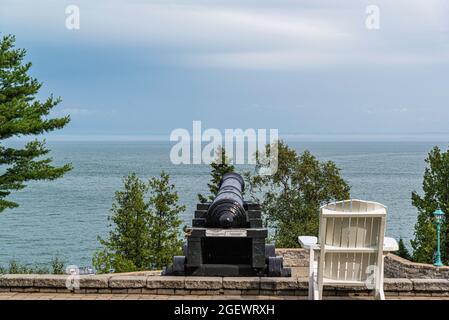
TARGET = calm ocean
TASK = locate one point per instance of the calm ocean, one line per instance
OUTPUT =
(63, 218)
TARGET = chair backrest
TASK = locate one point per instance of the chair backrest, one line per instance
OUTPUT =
(351, 240)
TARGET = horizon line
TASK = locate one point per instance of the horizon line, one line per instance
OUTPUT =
(292, 137)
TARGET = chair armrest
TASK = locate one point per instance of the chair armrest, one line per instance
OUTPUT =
(308, 242)
(390, 244)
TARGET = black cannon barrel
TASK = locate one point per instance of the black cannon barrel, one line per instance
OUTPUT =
(227, 210)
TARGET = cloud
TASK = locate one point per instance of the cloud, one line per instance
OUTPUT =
(283, 60)
(238, 34)
(75, 112)
(81, 112)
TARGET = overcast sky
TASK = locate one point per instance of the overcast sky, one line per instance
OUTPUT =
(147, 67)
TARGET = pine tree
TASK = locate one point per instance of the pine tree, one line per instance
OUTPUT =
(21, 114)
(436, 195)
(218, 168)
(403, 252)
(164, 222)
(145, 234)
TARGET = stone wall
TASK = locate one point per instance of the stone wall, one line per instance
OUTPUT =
(296, 257)
(164, 285)
(402, 278)
(397, 267)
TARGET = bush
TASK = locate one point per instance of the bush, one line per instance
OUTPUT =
(145, 233)
(14, 267)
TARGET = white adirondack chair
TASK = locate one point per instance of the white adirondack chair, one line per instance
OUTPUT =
(350, 248)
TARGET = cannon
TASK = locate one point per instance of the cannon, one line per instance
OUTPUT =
(227, 238)
(227, 210)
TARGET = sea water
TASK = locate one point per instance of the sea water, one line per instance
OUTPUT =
(64, 217)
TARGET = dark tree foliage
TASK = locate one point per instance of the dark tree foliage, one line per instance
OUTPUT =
(22, 114)
(291, 197)
(218, 168)
(403, 252)
(145, 233)
(436, 195)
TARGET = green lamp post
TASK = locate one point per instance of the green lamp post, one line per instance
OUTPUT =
(439, 216)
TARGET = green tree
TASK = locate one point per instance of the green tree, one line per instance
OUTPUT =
(164, 222)
(145, 233)
(291, 198)
(403, 252)
(218, 168)
(126, 249)
(22, 114)
(436, 195)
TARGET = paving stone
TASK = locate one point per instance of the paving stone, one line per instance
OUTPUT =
(91, 290)
(213, 292)
(286, 292)
(149, 291)
(182, 291)
(199, 292)
(232, 292)
(135, 290)
(47, 290)
(29, 289)
(104, 291)
(252, 292)
(119, 290)
(166, 291)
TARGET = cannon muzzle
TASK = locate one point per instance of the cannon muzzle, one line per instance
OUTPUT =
(227, 210)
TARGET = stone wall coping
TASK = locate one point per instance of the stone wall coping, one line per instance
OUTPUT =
(430, 285)
(128, 282)
(165, 282)
(203, 283)
(416, 265)
(400, 285)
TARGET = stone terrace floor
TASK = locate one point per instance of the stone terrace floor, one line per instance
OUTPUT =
(92, 296)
